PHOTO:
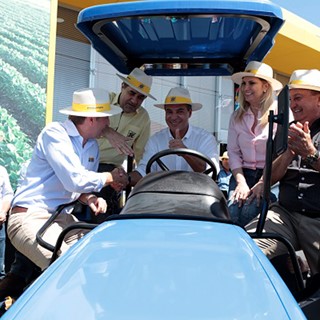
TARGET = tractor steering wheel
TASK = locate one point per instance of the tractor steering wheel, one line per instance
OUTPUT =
(157, 158)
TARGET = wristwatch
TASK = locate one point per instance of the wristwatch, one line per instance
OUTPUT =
(313, 158)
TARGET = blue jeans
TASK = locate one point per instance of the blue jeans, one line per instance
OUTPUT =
(2, 248)
(244, 214)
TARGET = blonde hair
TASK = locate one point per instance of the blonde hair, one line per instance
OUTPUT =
(267, 103)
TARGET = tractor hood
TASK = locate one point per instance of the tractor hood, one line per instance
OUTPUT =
(159, 269)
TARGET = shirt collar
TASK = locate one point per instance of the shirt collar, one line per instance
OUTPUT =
(189, 133)
(73, 131)
(71, 128)
(315, 128)
(186, 136)
(249, 112)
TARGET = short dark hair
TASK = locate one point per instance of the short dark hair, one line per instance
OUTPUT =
(76, 119)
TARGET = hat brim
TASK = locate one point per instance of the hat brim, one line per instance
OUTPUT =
(135, 88)
(303, 86)
(114, 110)
(237, 78)
(194, 106)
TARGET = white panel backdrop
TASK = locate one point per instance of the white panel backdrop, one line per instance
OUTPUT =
(217, 105)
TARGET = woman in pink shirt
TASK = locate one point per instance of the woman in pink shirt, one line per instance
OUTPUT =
(248, 133)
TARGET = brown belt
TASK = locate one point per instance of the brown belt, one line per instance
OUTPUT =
(18, 209)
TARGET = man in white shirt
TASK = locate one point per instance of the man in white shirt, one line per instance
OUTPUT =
(63, 169)
(178, 109)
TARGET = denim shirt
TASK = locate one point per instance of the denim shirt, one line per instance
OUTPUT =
(223, 179)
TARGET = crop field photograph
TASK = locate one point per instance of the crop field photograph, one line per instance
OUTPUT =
(24, 43)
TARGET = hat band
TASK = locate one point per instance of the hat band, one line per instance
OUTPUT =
(136, 83)
(178, 100)
(84, 107)
(297, 82)
(254, 71)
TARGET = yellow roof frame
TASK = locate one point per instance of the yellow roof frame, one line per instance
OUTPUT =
(297, 45)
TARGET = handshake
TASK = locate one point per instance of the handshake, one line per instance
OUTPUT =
(120, 179)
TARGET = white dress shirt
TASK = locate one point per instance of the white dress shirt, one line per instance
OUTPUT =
(196, 139)
(60, 169)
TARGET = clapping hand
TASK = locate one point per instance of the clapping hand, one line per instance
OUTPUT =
(299, 140)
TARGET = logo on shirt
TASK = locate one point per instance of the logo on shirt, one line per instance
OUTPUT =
(131, 134)
(91, 159)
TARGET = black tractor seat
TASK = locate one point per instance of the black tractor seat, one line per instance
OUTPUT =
(177, 193)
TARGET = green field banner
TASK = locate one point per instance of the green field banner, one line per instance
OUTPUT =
(24, 63)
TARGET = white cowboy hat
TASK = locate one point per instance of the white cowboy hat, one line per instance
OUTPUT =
(305, 79)
(179, 96)
(259, 70)
(139, 81)
(91, 102)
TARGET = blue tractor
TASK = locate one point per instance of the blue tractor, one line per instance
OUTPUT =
(172, 252)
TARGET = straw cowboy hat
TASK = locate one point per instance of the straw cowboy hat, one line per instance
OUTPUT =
(305, 79)
(139, 81)
(224, 156)
(91, 102)
(259, 70)
(179, 96)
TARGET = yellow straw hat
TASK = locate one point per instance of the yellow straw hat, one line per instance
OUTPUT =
(179, 96)
(259, 70)
(91, 102)
(139, 81)
(305, 79)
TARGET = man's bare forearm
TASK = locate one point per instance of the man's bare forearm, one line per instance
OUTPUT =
(280, 165)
